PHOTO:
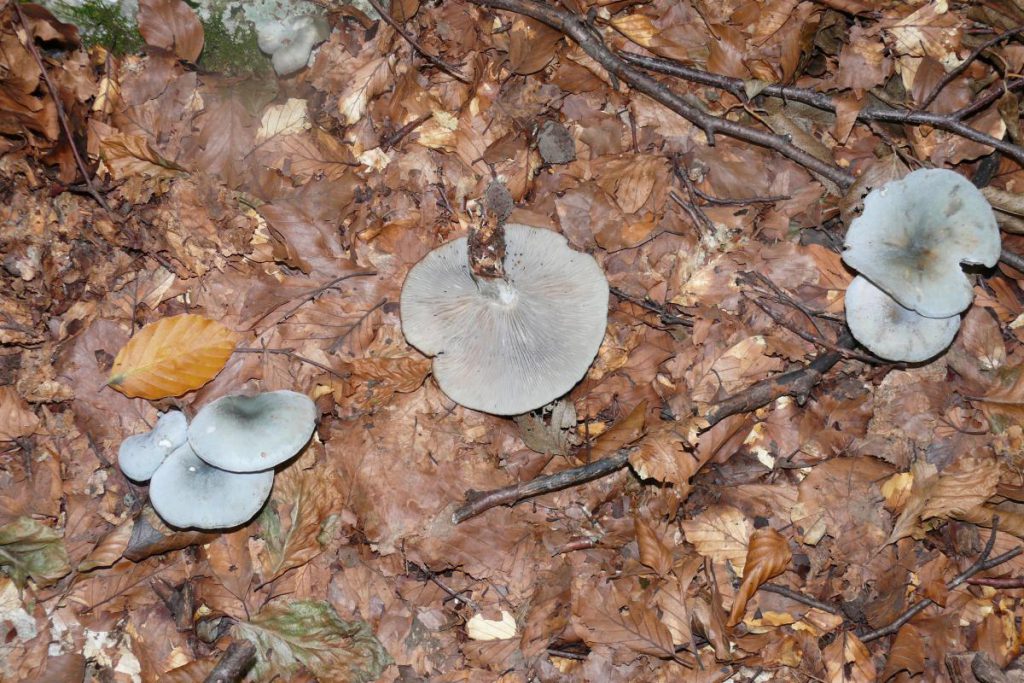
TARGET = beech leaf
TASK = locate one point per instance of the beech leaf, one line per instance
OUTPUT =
(721, 533)
(768, 555)
(32, 550)
(309, 633)
(171, 25)
(172, 356)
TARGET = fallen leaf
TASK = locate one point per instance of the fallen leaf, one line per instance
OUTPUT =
(310, 634)
(720, 532)
(16, 420)
(32, 550)
(172, 356)
(172, 25)
(768, 555)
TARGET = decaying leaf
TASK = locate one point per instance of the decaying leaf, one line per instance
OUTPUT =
(722, 533)
(310, 634)
(171, 356)
(32, 550)
(172, 25)
(16, 420)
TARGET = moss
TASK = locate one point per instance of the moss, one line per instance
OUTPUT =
(231, 52)
(225, 50)
(101, 23)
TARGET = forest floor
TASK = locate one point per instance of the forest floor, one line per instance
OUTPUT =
(746, 493)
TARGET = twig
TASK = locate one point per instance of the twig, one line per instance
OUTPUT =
(436, 61)
(480, 501)
(62, 115)
(291, 354)
(396, 137)
(1013, 260)
(234, 664)
(1004, 582)
(572, 26)
(962, 66)
(797, 383)
(649, 305)
(344, 335)
(981, 564)
(314, 293)
(951, 123)
(799, 597)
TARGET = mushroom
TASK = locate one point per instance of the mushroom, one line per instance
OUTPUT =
(913, 235)
(141, 454)
(511, 344)
(291, 41)
(253, 433)
(891, 331)
(188, 493)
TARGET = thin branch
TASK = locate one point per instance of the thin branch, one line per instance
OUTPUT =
(436, 61)
(234, 664)
(345, 335)
(962, 66)
(314, 293)
(798, 597)
(291, 354)
(797, 383)
(951, 123)
(478, 502)
(62, 115)
(981, 564)
(396, 137)
(648, 305)
(1004, 582)
(575, 28)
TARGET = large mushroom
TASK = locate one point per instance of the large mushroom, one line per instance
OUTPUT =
(913, 235)
(253, 433)
(290, 42)
(140, 455)
(188, 493)
(891, 331)
(510, 344)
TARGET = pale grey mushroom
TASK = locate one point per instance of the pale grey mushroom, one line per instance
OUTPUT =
(891, 331)
(913, 236)
(253, 433)
(141, 454)
(189, 494)
(291, 41)
(507, 346)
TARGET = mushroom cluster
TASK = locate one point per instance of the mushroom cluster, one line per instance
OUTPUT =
(907, 247)
(510, 344)
(218, 472)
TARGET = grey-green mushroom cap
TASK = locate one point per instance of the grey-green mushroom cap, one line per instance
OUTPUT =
(891, 331)
(253, 433)
(913, 236)
(291, 41)
(507, 346)
(190, 494)
(140, 455)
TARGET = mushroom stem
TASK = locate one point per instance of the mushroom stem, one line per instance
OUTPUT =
(487, 249)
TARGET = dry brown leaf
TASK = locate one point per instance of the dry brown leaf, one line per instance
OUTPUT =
(402, 374)
(16, 419)
(231, 562)
(847, 660)
(655, 552)
(768, 555)
(605, 616)
(982, 337)
(172, 356)
(531, 45)
(291, 522)
(111, 547)
(624, 432)
(171, 25)
(720, 532)
(740, 366)
(663, 456)
(128, 155)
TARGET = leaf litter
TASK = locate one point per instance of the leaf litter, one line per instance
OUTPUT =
(773, 500)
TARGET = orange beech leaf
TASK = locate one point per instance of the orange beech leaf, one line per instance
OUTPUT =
(655, 552)
(768, 555)
(171, 356)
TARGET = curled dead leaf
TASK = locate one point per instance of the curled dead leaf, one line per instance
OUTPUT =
(768, 555)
